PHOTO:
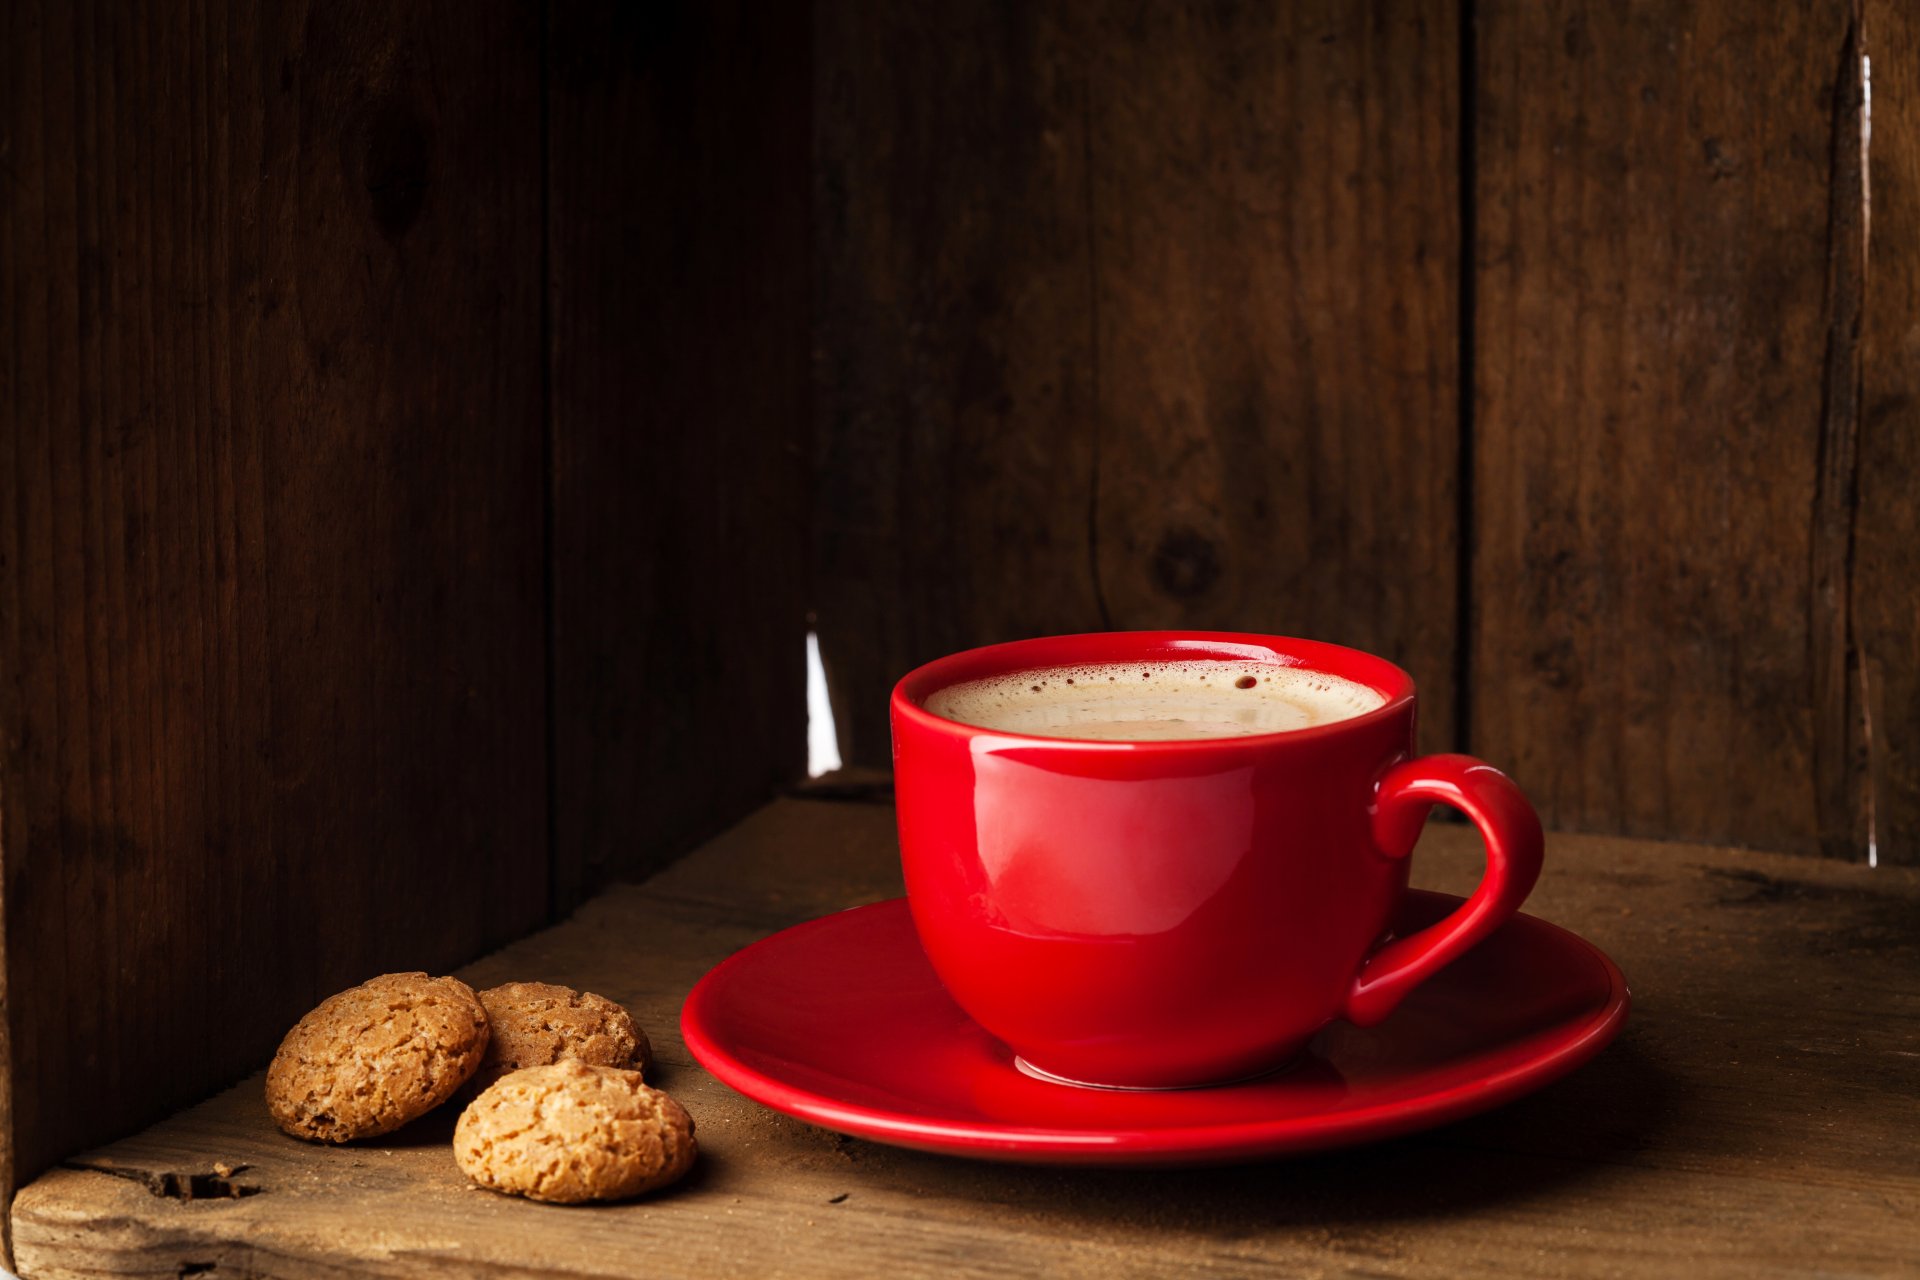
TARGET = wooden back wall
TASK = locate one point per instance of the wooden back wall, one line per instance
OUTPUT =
(1545, 347)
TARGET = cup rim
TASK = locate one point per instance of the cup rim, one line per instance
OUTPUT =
(908, 702)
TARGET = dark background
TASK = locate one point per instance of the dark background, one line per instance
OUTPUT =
(431, 429)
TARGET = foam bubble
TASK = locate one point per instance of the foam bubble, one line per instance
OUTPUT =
(1156, 701)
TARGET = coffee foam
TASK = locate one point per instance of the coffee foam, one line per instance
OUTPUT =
(1155, 701)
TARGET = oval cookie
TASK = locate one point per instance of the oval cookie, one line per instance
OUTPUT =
(571, 1132)
(538, 1023)
(373, 1057)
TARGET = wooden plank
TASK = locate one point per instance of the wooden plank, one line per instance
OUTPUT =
(1650, 327)
(677, 243)
(1885, 586)
(1757, 1117)
(270, 573)
(1134, 323)
(1275, 208)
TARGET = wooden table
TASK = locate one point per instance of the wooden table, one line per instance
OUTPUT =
(1760, 1114)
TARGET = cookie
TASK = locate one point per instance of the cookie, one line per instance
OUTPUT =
(374, 1057)
(571, 1132)
(537, 1023)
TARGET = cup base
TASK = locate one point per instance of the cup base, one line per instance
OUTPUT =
(1040, 1073)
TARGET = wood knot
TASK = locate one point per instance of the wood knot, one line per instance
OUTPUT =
(1185, 564)
(397, 166)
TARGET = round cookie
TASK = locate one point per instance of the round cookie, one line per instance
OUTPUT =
(372, 1058)
(537, 1023)
(571, 1132)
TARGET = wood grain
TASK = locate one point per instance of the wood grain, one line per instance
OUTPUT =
(677, 254)
(1129, 320)
(1757, 1117)
(1651, 585)
(270, 572)
(1885, 587)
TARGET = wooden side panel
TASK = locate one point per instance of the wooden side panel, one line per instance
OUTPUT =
(1134, 321)
(1650, 331)
(1886, 552)
(270, 510)
(677, 190)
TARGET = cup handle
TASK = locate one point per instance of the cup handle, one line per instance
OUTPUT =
(1511, 830)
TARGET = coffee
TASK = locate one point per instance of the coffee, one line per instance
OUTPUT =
(1155, 701)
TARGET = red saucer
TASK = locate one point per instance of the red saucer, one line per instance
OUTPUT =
(841, 1023)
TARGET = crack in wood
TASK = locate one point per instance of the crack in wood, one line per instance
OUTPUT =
(1876, 758)
(1830, 630)
(170, 1184)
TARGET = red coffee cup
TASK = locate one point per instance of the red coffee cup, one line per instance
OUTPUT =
(1175, 913)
